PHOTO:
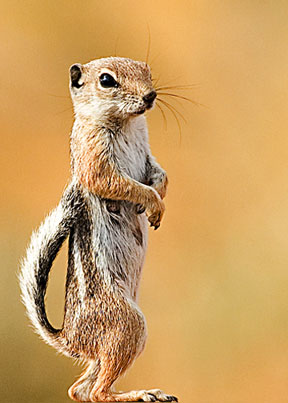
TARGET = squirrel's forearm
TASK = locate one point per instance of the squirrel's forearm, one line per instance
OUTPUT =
(110, 184)
(95, 170)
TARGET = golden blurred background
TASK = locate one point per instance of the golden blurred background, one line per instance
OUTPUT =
(215, 283)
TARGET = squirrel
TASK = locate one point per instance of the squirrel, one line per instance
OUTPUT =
(116, 188)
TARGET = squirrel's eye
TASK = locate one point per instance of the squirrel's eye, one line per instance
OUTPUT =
(107, 81)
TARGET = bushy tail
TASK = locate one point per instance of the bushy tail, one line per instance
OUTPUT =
(44, 245)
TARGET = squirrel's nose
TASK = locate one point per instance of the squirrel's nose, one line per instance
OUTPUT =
(149, 98)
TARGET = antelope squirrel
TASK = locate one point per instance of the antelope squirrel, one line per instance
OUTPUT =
(115, 184)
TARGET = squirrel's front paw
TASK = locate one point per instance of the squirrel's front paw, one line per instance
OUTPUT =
(155, 214)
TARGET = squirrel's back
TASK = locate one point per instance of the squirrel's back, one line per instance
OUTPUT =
(116, 189)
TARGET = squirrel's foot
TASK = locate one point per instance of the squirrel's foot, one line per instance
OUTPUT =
(161, 396)
(153, 395)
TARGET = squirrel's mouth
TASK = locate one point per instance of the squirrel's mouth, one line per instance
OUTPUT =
(140, 112)
(146, 108)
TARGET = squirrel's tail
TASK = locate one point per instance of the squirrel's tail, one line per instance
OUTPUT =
(44, 245)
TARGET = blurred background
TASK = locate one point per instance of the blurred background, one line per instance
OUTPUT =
(214, 287)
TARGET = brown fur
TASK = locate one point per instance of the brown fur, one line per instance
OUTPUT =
(95, 170)
(115, 182)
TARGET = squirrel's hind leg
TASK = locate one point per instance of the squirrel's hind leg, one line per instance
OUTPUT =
(102, 392)
(81, 389)
(111, 367)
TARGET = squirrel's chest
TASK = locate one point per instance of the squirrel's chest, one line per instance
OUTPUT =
(130, 150)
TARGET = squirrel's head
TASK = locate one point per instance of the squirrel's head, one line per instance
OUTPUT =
(111, 88)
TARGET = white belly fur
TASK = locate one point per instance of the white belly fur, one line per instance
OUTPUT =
(118, 255)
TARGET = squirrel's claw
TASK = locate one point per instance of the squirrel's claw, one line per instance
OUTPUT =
(155, 220)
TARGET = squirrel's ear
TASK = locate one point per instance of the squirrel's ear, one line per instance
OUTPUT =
(76, 72)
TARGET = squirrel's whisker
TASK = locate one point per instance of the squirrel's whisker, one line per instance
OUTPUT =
(163, 115)
(173, 111)
(65, 110)
(156, 81)
(179, 96)
(149, 45)
(173, 108)
(58, 96)
(177, 87)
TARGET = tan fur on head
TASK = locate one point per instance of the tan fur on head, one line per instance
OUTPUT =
(123, 100)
